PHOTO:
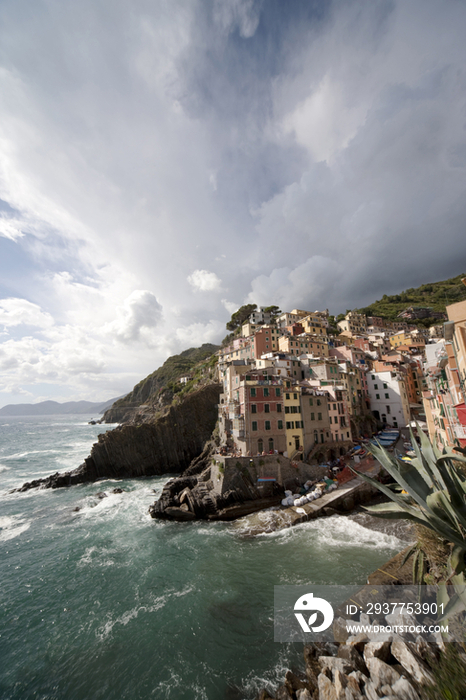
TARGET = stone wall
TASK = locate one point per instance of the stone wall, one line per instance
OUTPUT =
(285, 472)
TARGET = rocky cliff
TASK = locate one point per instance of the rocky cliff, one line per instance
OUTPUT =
(156, 446)
(156, 391)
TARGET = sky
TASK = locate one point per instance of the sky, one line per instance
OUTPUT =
(164, 162)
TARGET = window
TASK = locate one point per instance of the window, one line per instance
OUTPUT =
(311, 403)
(290, 425)
(377, 396)
(267, 425)
(373, 376)
(295, 396)
(388, 409)
(253, 408)
(384, 386)
(312, 416)
(277, 392)
(279, 408)
(376, 386)
(287, 396)
(280, 425)
(318, 402)
(260, 446)
(270, 444)
(266, 391)
(319, 416)
(253, 391)
(254, 425)
(267, 408)
(387, 396)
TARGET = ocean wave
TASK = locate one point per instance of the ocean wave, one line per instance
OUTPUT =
(22, 455)
(11, 527)
(153, 606)
(271, 679)
(337, 531)
(4, 468)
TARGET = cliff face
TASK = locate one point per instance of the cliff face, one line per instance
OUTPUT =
(169, 443)
(166, 444)
(155, 391)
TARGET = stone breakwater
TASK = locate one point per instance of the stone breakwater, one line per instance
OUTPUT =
(163, 444)
(378, 666)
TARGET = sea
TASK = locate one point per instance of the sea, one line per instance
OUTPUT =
(98, 601)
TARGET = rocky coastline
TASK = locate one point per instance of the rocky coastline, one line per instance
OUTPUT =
(378, 666)
(152, 444)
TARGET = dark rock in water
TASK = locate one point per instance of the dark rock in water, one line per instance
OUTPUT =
(101, 494)
(117, 490)
(77, 509)
(296, 680)
(264, 695)
(165, 444)
(206, 497)
(179, 513)
(283, 693)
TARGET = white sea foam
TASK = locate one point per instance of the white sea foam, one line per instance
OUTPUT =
(157, 603)
(253, 684)
(4, 468)
(337, 531)
(97, 556)
(11, 527)
(129, 615)
(22, 455)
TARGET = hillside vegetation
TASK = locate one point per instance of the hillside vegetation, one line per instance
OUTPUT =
(436, 295)
(195, 362)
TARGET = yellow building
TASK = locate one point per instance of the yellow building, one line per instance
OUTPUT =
(314, 324)
(293, 419)
(304, 344)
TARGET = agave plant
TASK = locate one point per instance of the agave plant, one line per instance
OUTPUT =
(431, 491)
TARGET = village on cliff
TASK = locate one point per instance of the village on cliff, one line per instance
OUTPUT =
(302, 399)
(294, 386)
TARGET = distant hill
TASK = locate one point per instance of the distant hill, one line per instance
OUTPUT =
(435, 295)
(53, 408)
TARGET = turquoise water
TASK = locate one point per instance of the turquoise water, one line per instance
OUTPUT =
(106, 603)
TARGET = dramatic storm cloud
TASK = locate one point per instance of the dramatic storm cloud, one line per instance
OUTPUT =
(163, 163)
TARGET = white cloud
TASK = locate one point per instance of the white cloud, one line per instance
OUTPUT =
(311, 157)
(230, 306)
(10, 228)
(204, 281)
(16, 312)
(139, 313)
(196, 334)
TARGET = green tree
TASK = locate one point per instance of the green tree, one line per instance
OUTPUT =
(274, 311)
(240, 316)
